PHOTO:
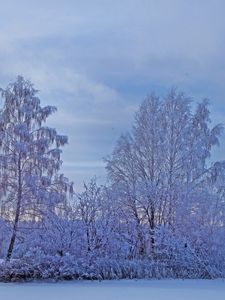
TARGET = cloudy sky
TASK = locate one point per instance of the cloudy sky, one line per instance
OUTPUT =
(97, 60)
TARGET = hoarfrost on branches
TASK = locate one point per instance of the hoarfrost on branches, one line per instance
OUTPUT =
(162, 213)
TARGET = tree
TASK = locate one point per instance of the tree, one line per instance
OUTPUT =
(90, 214)
(162, 161)
(29, 158)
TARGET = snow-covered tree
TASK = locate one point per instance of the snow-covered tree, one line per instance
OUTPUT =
(29, 158)
(162, 161)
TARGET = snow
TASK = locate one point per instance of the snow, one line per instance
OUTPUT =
(116, 290)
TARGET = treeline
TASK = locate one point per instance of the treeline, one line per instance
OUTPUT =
(161, 215)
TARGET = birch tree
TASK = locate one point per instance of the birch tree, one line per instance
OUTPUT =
(29, 157)
(162, 161)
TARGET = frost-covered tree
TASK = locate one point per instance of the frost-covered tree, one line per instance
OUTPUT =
(29, 158)
(90, 213)
(159, 164)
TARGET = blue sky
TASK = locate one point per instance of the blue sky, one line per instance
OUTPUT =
(97, 60)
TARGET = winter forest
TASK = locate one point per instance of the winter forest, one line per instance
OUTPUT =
(160, 215)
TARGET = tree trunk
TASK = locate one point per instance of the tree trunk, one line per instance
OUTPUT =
(17, 215)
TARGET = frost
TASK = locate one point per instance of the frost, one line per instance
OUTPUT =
(161, 214)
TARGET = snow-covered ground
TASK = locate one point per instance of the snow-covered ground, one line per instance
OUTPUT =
(116, 290)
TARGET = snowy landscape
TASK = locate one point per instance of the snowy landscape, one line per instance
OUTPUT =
(161, 215)
(112, 150)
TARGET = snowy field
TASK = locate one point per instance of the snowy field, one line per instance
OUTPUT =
(116, 290)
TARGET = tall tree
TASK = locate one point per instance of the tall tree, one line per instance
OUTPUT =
(29, 157)
(164, 158)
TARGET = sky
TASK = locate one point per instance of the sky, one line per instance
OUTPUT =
(97, 60)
